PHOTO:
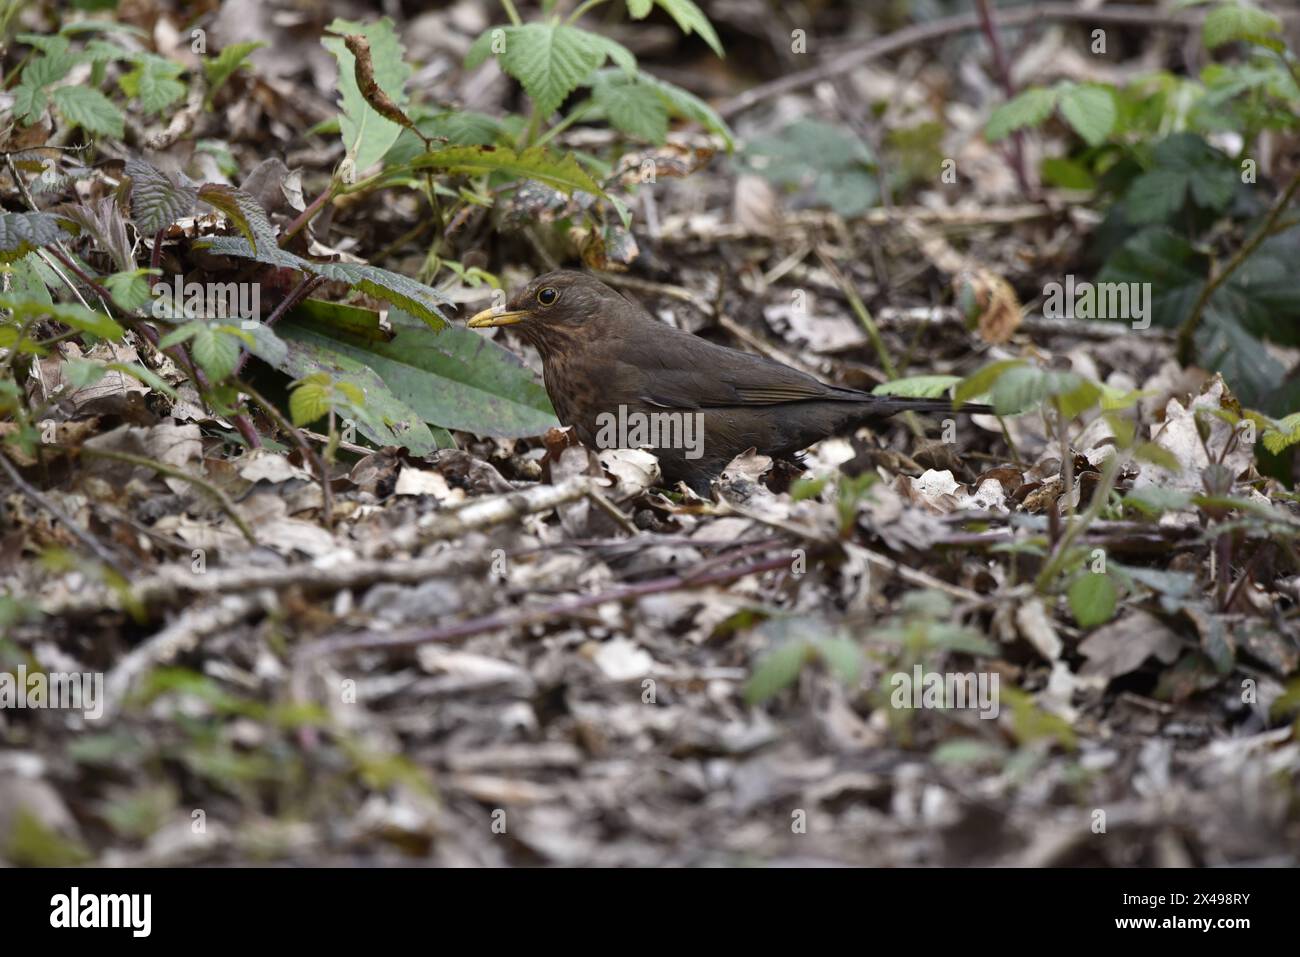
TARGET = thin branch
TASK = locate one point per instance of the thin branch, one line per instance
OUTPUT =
(164, 469)
(82, 535)
(522, 617)
(322, 475)
(1003, 67)
(1187, 331)
(295, 296)
(922, 33)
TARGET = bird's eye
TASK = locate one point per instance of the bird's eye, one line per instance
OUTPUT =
(547, 295)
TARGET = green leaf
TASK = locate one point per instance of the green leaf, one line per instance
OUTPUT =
(20, 233)
(130, 290)
(383, 419)
(686, 104)
(1159, 456)
(72, 314)
(154, 82)
(180, 334)
(1090, 110)
(1027, 109)
(456, 379)
(1025, 387)
(1154, 500)
(1263, 294)
(391, 287)
(623, 58)
(215, 350)
(639, 9)
(1092, 599)
(1184, 163)
(1067, 174)
(245, 212)
(691, 19)
(633, 108)
(981, 381)
(1282, 434)
(551, 61)
(1224, 345)
(1237, 21)
(776, 671)
(30, 102)
(156, 201)
(28, 282)
(310, 401)
(91, 110)
(535, 163)
(1164, 258)
(145, 375)
(919, 387)
(842, 656)
(809, 152)
(81, 373)
(367, 135)
(226, 64)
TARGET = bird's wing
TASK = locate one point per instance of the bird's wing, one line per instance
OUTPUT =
(687, 372)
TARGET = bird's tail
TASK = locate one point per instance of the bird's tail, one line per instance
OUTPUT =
(886, 405)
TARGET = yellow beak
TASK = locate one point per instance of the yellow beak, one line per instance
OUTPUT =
(488, 318)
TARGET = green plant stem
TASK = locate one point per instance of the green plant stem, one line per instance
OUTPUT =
(860, 310)
(1067, 461)
(164, 469)
(873, 332)
(534, 126)
(577, 113)
(1100, 496)
(300, 440)
(306, 216)
(576, 15)
(14, 350)
(512, 13)
(1187, 331)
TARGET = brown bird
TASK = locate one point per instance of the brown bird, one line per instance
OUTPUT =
(610, 368)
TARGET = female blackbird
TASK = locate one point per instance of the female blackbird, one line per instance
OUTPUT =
(610, 368)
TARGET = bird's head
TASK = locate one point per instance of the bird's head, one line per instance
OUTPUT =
(554, 307)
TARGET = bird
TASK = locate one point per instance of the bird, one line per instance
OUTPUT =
(610, 367)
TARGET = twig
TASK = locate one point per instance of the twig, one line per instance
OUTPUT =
(182, 635)
(860, 310)
(522, 617)
(163, 468)
(484, 512)
(947, 26)
(174, 584)
(1100, 498)
(303, 218)
(1003, 68)
(681, 229)
(1187, 331)
(300, 440)
(1033, 325)
(905, 572)
(296, 295)
(82, 535)
(612, 510)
